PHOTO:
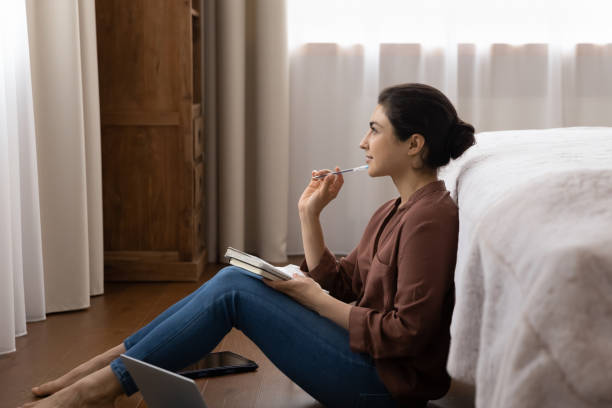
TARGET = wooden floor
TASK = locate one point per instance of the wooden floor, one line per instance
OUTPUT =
(64, 340)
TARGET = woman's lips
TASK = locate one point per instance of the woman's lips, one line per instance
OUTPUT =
(368, 158)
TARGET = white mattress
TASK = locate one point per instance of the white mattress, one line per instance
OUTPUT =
(532, 325)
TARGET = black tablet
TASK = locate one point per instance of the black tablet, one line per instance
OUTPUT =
(214, 364)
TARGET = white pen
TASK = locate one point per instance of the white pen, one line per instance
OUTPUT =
(360, 168)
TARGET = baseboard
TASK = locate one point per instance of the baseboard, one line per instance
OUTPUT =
(151, 267)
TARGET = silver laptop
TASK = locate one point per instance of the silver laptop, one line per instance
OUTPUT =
(162, 388)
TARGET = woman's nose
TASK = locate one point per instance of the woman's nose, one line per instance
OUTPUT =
(363, 144)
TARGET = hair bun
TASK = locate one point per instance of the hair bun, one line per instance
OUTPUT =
(420, 108)
(461, 138)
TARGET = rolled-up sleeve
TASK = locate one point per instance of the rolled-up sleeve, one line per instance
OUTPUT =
(426, 252)
(333, 275)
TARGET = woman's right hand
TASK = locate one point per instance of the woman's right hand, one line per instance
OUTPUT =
(319, 192)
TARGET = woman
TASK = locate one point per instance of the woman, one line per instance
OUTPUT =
(389, 347)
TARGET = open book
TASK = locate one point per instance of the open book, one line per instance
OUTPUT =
(260, 267)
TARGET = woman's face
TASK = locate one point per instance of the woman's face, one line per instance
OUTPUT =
(385, 153)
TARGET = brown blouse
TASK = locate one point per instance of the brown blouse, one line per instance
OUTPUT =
(401, 277)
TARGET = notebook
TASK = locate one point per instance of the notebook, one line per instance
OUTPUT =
(260, 267)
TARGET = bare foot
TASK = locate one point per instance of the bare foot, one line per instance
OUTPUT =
(78, 372)
(60, 399)
(98, 389)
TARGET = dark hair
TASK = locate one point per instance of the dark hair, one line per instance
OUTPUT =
(419, 108)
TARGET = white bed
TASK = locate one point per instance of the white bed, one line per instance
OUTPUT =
(532, 325)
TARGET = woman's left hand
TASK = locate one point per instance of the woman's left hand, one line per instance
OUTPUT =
(302, 289)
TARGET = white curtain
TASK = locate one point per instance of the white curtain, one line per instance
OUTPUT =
(21, 272)
(247, 122)
(504, 65)
(51, 248)
(66, 108)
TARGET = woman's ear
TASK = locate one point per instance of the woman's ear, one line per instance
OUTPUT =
(416, 143)
(417, 150)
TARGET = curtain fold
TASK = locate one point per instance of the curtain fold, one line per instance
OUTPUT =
(21, 272)
(93, 147)
(65, 124)
(50, 175)
(248, 121)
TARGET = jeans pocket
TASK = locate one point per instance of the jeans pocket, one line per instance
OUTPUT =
(376, 401)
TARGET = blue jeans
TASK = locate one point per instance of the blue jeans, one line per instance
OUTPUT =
(311, 350)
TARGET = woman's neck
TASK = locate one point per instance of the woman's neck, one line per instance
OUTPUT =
(410, 182)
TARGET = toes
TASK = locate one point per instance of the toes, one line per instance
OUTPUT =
(38, 391)
(43, 390)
